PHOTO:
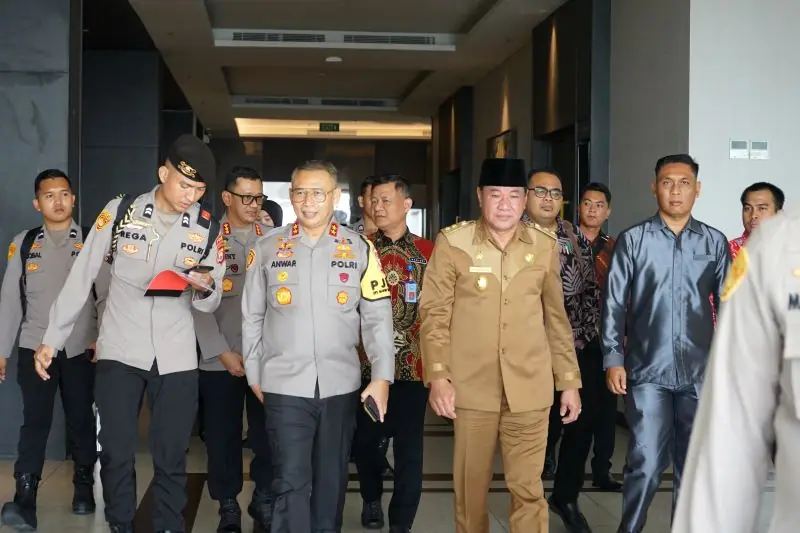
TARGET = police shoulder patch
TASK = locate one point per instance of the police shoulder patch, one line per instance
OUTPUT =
(736, 274)
(251, 256)
(103, 220)
(12, 249)
(458, 225)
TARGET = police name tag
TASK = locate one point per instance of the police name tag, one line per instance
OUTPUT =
(410, 292)
(480, 270)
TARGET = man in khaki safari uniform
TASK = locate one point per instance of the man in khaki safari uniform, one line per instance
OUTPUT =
(492, 296)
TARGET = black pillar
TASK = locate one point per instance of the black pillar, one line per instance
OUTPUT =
(38, 126)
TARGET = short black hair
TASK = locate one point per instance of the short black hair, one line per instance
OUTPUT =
(400, 183)
(597, 187)
(777, 193)
(685, 159)
(49, 174)
(246, 173)
(369, 181)
(545, 170)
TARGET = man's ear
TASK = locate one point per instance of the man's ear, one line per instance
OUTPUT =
(163, 174)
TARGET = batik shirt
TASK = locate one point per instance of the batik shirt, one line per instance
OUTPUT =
(403, 261)
(737, 244)
(602, 248)
(579, 281)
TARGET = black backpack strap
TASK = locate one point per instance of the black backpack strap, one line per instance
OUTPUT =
(85, 233)
(24, 252)
(207, 221)
(124, 215)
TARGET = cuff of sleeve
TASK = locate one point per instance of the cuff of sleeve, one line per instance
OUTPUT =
(50, 340)
(434, 372)
(253, 373)
(613, 360)
(569, 381)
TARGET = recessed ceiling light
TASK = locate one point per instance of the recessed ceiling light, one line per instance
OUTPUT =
(333, 59)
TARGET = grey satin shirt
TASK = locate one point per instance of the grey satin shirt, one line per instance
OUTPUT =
(658, 293)
(136, 329)
(221, 331)
(49, 263)
(303, 307)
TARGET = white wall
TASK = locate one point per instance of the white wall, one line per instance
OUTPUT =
(502, 101)
(745, 84)
(649, 100)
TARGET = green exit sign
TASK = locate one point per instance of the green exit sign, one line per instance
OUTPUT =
(329, 127)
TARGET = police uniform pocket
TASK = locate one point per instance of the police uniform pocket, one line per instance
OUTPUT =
(283, 285)
(186, 260)
(703, 257)
(344, 285)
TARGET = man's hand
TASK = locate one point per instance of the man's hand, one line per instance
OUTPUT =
(258, 392)
(570, 406)
(3, 362)
(42, 360)
(233, 363)
(379, 390)
(200, 281)
(617, 380)
(443, 398)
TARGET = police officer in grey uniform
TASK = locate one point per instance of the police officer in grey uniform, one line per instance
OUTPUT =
(147, 342)
(223, 386)
(310, 288)
(30, 286)
(751, 393)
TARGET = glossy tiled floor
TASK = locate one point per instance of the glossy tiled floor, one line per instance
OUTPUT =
(435, 514)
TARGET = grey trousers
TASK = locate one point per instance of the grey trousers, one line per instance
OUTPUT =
(660, 420)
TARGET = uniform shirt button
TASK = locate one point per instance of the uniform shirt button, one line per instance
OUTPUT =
(502, 351)
(505, 302)
(505, 277)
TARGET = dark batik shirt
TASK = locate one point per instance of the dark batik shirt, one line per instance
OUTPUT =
(602, 248)
(579, 281)
(403, 260)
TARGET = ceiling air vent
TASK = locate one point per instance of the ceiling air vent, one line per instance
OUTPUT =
(417, 42)
(302, 102)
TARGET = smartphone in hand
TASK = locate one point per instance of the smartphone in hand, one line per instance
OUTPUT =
(371, 407)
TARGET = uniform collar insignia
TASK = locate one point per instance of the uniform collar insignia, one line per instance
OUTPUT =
(186, 221)
(259, 231)
(295, 229)
(73, 233)
(333, 231)
(226, 228)
(148, 211)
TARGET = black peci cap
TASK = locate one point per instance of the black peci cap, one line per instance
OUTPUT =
(503, 173)
(191, 157)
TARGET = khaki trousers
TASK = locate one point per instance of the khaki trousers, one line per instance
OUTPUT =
(523, 438)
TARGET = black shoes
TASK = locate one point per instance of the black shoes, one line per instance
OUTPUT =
(230, 516)
(20, 514)
(372, 515)
(83, 499)
(260, 509)
(399, 529)
(606, 483)
(121, 528)
(571, 516)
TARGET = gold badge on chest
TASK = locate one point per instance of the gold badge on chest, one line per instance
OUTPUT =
(529, 258)
(481, 282)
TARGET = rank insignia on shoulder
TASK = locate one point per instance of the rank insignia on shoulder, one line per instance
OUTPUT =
(12, 249)
(736, 274)
(259, 231)
(226, 228)
(103, 220)
(551, 234)
(458, 225)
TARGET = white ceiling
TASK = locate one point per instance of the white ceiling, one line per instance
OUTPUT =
(210, 73)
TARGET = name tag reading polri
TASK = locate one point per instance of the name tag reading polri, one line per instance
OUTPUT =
(480, 270)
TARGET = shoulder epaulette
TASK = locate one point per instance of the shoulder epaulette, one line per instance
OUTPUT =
(458, 225)
(551, 234)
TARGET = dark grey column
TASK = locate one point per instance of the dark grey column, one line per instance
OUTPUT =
(36, 75)
(121, 125)
(601, 91)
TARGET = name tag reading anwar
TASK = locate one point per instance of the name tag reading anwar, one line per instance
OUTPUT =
(480, 270)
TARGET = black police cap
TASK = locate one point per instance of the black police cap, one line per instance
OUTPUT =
(191, 157)
(503, 173)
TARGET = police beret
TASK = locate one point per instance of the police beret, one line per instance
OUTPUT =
(191, 157)
(503, 173)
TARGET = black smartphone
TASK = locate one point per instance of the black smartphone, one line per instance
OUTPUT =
(203, 269)
(371, 407)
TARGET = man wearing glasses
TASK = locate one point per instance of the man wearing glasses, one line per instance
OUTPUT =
(310, 288)
(581, 300)
(223, 388)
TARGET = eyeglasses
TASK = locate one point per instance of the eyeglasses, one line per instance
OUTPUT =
(248, 199)
(541, 192)
(299, 196)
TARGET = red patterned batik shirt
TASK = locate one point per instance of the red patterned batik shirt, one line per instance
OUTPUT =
(737, 244)
(403, 261)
